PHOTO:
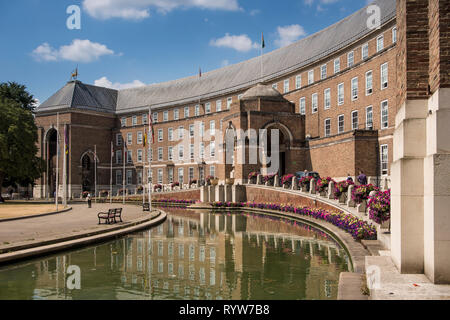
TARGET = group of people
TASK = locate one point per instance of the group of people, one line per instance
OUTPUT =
(362, 178)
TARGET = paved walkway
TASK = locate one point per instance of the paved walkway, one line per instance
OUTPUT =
(79, 219)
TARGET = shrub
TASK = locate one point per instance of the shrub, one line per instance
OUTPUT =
(380, 206)
(362, 192)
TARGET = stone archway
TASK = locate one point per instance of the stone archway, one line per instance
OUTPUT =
(87, 172)
(285, 140)
(51, 158)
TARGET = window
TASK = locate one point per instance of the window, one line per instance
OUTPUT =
(191, 174)
(170, 175)
(197, 110)
(365, 51)
(139, 156)
(350, 59)
(327, 127)
(129, 156)
(181, 176)
(380, 43)
(155, 117)
(212, 149)
(384, 159)
(340, 94)
(323, 72)
(208, 108)
(298, 82)
(384, 115)
(191, 131)
(119, 180)
(212, 128)
(314, 103)
(229, 102)
(129, 176)
(327, 99)
(355, 123)
(212, 171)
(202, 150)
(170, 153)
(166, 116)
(354, 89)
(123, 122)
(139, 177)
(119, 139)
(303, 105)
(191, 151)
(384, 76)
(369, 118)
(118, 156)
(337, 65)
(160, 154)
(369, 83)
(186, 112)
(180, 152)
(160, 135)
(134, 121)
(180, 133)
(160, 176)
(286, 86)
(311, 77)
(129, 138)
(394, 35)
(139, 137)
(176, 114)
(219, 105)
(341, 123)
(170, 134)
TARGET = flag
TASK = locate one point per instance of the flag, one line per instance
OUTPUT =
(263, 44)
(151, 130)
(112, 150)
(145, 138)
(66, 141)
(199, 72)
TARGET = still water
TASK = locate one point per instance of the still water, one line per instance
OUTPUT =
(193, 256)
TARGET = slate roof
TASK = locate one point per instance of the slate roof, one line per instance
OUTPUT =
(227, 80)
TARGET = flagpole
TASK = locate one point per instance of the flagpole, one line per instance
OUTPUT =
(149, 178)
(95, 173)
(143, 170)
(111, 174)
(262, 53)
(57, 160)
(65, 168)
(123, 178)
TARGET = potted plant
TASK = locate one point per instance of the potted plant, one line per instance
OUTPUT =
(361, 193)
(193, 181)
(104, 193)
(269, 179)
(252, 177)
(286, 181)
(341, 189)
(210, 180)
(380, 207)
(322, 185)
(305, 183)
(229, 181)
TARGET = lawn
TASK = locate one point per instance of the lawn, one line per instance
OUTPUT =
(8, 211)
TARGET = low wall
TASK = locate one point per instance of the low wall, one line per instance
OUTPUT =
(193, 194)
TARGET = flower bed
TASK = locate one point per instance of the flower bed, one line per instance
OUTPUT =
(227, 205)
(380, 206)
(342, 187)
(173, 201)
(362, 192)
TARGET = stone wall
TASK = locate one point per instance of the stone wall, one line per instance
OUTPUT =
(178, 195)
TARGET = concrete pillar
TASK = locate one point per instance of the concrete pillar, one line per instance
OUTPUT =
(362, 207)
(276, 181)
(228, 193)
(204, 194)
(350, 202)
(331, 190)
(212, 193)
(259, 180)
(220, 193)
(313, 186)
(294, 183)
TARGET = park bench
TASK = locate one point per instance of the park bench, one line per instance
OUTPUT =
(146, 207)
(118, 214)
(109, 216)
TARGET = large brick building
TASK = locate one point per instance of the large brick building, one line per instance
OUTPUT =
(332, 96)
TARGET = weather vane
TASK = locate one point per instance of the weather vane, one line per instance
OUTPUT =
(74, 75)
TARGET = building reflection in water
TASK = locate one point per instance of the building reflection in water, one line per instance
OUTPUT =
(193, 256)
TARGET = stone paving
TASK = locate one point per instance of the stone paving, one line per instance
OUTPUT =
(79, 219)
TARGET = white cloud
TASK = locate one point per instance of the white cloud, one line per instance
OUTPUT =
(140, 9)
(289, 34)
(104, 82)
(77, 51)
(241, 43)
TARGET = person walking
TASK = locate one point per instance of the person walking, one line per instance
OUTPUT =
(89, 200)
(362, 178)
(349, 178)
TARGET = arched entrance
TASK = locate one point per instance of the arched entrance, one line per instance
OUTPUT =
(51, 139)
(284, 143)
(87, 173)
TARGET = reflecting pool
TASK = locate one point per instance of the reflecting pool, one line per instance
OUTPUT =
(191, 256)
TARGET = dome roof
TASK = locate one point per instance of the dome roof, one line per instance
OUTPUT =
(263, 92)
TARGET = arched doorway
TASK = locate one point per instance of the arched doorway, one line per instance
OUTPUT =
(52, 136)
(284, 142)
(87, 173)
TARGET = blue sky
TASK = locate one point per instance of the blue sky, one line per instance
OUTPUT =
(125, 43)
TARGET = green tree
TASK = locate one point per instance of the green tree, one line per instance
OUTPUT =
(18, 93)
(18, 149)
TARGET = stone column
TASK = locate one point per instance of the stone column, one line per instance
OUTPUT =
(220, 193)
(212, 193)
(204, 194)
(312, 188)
(350, 202)
(228, 193)
(259, 179)
(276, 181)
(294, 183)
(331, 190)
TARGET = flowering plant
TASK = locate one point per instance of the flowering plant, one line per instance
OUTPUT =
(220, 204)
(380, 206)
(174, 201)
(362, 192)
(253, 175)
(175, 184)
(306, 181)
(270, 177)
(157, 187)
(341, 188)
(322, 184)
(287, 179)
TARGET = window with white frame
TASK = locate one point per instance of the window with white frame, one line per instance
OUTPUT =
(365, 51)
(170, 134)
(350, 59)
(303, 105)
(170, 153)
(119, 179)
(310, 76)
(337, 65)
(355, 121)
(229, 102)
(354, 89)
(208, 107)
(191, 151)
(123, 122)
(394, 35)
(340, 94)
(129, 138)
(160, 135)
(134, 121)
(118, 156)
(327, 98)
(129, 156)
(129, 176)
(191, 174)
(119, 140)
(212, 149)
(197, 111)
(170, 175)
(155, 117)
(160, 176)
(139, 176)
(212, 171)
(369, 118)
(212, 128)
(186, 112)
(176, 114)
(219, 105)
(323, 71)
(180, 133)
(181, 176)
(180, 152)
(384, 115)
(380, 43)
(384, 76)
(327, 127)
(139, 137)
(160, 154)
(384, 154)
(341, 123)
(298, 82)
(369, 83)
(191, 131)
(286, 86)
(139, 156)
(145, 118)
(166, 116)
(315, 103)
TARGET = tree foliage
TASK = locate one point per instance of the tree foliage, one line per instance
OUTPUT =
(18, 93)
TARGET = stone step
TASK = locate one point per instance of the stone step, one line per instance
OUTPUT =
(373, 246)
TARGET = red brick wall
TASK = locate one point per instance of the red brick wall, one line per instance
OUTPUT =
(181, 195)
